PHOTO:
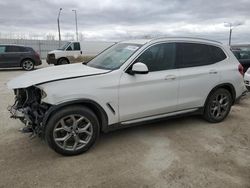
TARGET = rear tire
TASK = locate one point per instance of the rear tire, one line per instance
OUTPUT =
(218, 105)
(72, 130)
(28, 64)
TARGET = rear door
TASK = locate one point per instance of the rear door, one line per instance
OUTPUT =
(13, 56)
(199, 73)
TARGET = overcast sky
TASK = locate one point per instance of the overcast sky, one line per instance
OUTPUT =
(123, 19)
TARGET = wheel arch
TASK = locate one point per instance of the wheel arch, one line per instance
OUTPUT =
(26, 58)
(226, 86)
(92, 105)
(58, 60)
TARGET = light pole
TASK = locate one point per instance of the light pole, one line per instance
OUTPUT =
(231, 26)
(58, 25)
(76, 25)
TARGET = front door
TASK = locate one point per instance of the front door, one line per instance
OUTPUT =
(155, 93)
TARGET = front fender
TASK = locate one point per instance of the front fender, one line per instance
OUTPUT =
(94, 106)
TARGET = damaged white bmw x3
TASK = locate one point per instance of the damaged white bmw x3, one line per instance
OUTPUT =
(129, 83)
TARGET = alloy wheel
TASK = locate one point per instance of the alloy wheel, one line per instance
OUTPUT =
(73, 132)
(219, 106)
(28, 65)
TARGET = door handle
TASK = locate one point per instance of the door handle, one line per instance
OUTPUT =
(213, 72)
(170, 77)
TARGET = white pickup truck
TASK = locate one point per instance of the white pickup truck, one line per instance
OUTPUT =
(74, 52)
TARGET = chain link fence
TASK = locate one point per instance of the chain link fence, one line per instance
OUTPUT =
(40, 46)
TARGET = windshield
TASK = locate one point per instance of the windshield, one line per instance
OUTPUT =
(63, 47)
(114, 57)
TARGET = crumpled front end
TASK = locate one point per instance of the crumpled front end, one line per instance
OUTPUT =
(29, 108)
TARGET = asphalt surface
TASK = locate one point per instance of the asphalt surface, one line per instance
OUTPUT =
(184, 152)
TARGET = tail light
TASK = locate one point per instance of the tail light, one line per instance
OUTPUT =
(37, 55)
(241, 69)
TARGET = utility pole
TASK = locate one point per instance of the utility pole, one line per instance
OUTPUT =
(230, 33)
(58, 25)
(231, 26)
(76, 25)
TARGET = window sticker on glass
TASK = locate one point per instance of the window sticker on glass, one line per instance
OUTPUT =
(132, 48)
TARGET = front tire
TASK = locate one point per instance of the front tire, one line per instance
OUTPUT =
(72, 130)
(63, 61)
(218, 105)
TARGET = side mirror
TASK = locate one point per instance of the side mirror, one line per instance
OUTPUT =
(139, 68)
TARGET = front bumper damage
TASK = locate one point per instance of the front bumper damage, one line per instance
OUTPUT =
(29, 108)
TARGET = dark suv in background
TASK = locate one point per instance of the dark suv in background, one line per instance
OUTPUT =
(243, 55)
(18, 56)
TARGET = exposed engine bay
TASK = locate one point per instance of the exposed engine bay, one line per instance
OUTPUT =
(29, 109)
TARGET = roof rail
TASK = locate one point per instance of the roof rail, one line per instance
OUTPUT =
(187, 38)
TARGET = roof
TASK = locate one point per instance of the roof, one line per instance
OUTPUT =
(191, 39)
(187, 39)
(137, 41)
(13, 45)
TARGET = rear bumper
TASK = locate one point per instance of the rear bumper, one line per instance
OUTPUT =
(242, 95)
(38, 62)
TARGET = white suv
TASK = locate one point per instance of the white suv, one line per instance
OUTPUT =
(129, 83)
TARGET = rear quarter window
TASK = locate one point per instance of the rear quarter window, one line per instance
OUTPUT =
(217, 54)
(27, 49)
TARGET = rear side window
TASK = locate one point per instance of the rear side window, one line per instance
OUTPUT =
(14, 49)
(25, 49)
(30, 49)
(2, 49)
(217, 54)
(191, 55)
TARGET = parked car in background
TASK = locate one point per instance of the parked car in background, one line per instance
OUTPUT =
(18, 56)
(247, 79)
(131, 82)
(243, 55)
(75, 52)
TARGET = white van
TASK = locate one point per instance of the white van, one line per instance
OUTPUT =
(74, 52)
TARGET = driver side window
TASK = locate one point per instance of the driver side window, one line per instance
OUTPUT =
(70, 48)
(159, 57)
(74, 47)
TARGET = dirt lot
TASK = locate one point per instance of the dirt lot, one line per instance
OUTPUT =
(186, 152)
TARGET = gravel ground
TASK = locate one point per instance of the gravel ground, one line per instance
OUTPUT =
(184, 152)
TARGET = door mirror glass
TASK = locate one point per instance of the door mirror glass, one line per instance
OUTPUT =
(139, 68)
